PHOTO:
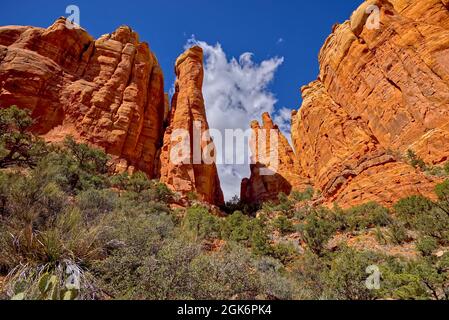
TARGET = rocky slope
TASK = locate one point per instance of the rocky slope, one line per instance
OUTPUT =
(108, 92)
(380, 92)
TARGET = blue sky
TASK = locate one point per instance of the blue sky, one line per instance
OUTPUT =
(240, 26)
(275, 44)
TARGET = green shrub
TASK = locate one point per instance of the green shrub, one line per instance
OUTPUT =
(17, 146)
(283, 225)
(237, 227)
(285, 252)
(94, 203)
(303, 196)
(408, 208)
(310, 274)
(260, 241)
(318, 229)
(366, 216)
(201, 224)
(422, 279)
(442, 191)
(427, 245)
(415, 161)
(346, 279)
(397, 233)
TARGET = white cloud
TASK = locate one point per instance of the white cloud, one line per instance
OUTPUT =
(235, 93)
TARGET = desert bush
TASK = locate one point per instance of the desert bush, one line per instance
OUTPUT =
(309, 272)
(425, 216)
(423, 279)
(230, 273)
(285, 252)
(260, 241)
(18, 147)
(427, 245)
(346, 279)
(366, 216)
(237, 227)
(397, 233)
(408, 208)
(303, 196)
(283, 225)
(317, 229)
(94, 203)
(200, 224)
(442, 191)
(415, 161)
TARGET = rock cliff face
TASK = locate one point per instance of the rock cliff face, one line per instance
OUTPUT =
(108, 92)
(381, 91)
(190, 172)
(273, 164)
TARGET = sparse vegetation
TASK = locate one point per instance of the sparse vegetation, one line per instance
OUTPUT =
(69, 229)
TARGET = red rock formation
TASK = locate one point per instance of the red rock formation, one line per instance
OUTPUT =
(187, 176)
(380, 92)
(108, 92)
(273, 166)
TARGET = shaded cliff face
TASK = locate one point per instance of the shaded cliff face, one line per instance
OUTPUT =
(108, 92)
(273, 164)
(186, 175)
(380, 92)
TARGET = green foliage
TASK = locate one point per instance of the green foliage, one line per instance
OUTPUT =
(425, 216)
(283, 225)
(235, 204)
(260, 242)
(422, 279)
(397, 233)
(140, 188)
(446, 168)
(346, 279)
(192, 196)
(285, 252)
(283, 205)
(318, 229)
(17, 146)
(199, 223)
(427, 245)
(442, 191)
(303, 196)
(415, 161)
(237, 227)
(366, 216)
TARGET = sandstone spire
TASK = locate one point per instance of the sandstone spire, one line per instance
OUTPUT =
(273, 164)
(188, 110)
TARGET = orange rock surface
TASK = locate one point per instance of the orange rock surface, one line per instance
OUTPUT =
(107, 92)
(380, 92)
(186, 175)
(273, 164)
